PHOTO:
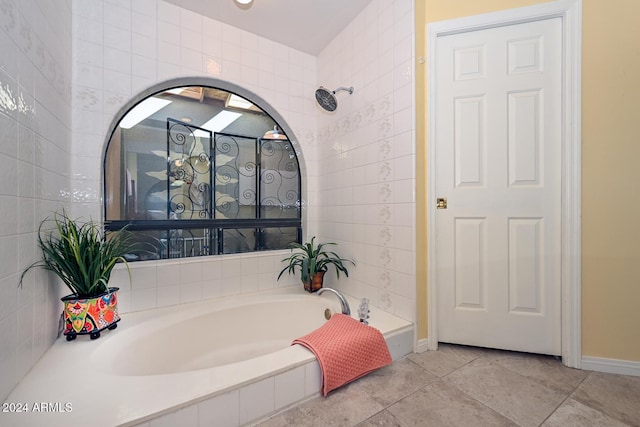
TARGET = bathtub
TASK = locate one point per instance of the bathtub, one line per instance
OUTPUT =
(222, 362)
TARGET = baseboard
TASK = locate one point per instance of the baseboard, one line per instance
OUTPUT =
(611, 366)
(422, 345)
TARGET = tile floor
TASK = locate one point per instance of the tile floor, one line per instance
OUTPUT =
(467, 386)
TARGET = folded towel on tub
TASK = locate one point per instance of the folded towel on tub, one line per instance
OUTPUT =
(346, 350)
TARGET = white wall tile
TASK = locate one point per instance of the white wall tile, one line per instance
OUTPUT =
(190, 271)
(144, 66)
(124, 301)
(378, 177)
(257, 400)
(290, 387)
(118, 81)
(223, 410)
(90, 10)
(231, 267)
(116, 59)
(8, 354)
(143, 275)
(89, 75)
(186, 417)
(117, 38)
(149, 7)
(169, 33)
(313, 379)
(168, 273)
(190, 292)
(212, 288)
(118, 17)
(145, 24)
(211, 66)
(169, 13)
(249, 283)
(143, 299)
(167, 295)
(191, 59)
(231, 286)
(167, 70)
(191, 38)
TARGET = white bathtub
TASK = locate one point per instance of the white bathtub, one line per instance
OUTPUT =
(219, 362)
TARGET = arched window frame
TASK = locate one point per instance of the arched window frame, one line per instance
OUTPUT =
(219, 226)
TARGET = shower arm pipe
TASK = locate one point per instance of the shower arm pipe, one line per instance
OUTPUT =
(348, 89)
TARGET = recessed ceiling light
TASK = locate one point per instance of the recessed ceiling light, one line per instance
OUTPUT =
(218, 123)
(143, 110)
(236, 101)
(177, 90)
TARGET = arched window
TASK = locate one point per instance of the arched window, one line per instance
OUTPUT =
(199, 171)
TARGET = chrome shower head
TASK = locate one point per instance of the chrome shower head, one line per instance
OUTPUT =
(327, 98)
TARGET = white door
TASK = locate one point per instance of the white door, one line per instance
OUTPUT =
(498, 165)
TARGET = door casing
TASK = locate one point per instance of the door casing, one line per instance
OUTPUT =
(570, 12)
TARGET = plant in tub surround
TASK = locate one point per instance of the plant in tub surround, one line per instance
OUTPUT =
(83, 257)
(313, 262)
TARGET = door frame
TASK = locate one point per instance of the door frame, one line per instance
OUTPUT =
(570, 12)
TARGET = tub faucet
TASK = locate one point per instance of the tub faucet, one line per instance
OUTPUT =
(343, 301)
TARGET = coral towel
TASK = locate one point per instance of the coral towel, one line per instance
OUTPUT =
(346, 350)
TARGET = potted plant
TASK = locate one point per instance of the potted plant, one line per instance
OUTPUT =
(83, 257)
(313, 262)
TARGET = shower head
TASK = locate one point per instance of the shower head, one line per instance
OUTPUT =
(327, 98)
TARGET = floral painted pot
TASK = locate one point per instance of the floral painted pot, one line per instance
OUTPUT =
(90, 316)
(315, 283)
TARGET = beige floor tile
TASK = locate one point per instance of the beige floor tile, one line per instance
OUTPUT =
(520, 399)
(441, 404)
(344, 407)
(447, 359)
(618, 396)
(276, 421)
(575, 414)
(394, 382)
(546, 370)
(381, 419)
(468, 386)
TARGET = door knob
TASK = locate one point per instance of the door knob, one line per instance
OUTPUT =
(441, 203)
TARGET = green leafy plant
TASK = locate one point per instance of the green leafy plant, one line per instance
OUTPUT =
(313, 259)
(81, 254)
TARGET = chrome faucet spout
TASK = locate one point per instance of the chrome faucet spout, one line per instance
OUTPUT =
(343, 301)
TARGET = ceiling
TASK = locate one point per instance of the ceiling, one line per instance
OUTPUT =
(306, 25)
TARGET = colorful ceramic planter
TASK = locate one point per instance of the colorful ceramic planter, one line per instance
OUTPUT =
(84, 316)
(315, 283)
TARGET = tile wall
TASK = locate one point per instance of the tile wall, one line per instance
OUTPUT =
(35, 160)
(366, 150)
(359, 161)
(163, 283)
(123, 47)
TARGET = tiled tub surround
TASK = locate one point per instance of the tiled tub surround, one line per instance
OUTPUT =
(357, 164)
(98, 54)
(107, 386)
(156, 284)
(366, 151)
